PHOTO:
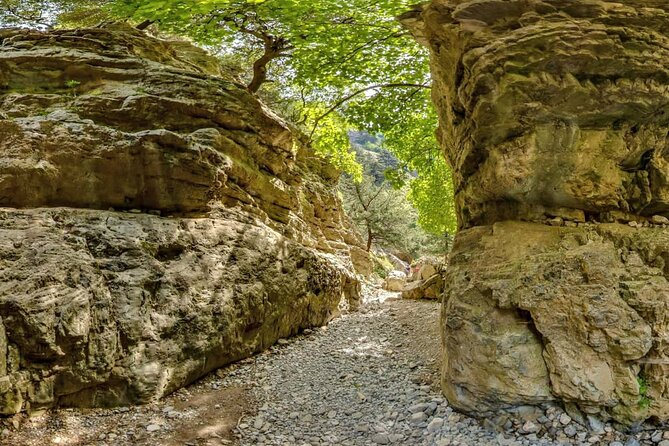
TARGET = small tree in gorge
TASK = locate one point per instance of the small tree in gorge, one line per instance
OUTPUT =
(380, 212)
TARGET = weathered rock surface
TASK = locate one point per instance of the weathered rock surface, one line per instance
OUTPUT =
(395, 281)
(430, 288)
(576, 314)
(424, 269)
(425, 281)
(551, 107)
(234, 237)
(555, 112)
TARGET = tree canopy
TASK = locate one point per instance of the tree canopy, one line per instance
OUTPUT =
(328, 66)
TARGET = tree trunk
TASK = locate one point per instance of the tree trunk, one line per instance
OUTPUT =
(370, 237)
(260, 71)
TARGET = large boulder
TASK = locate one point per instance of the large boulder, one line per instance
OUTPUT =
(395, 281)
(158, 221)
(429, 288)
(427, 270)
(554, 116)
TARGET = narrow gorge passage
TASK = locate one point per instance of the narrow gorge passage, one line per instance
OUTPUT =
(369, 377)
(351, 382)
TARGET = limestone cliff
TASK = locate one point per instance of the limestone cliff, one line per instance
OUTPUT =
(158, 221)
(555, 112)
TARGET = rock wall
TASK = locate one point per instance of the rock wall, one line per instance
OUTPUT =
(157, 221)
(554, 116)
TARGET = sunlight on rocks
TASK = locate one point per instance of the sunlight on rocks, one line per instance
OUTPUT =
(365, 347)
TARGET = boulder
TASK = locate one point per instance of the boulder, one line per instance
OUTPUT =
(424, 268)
(659, 220)
(430, 288)
(427, 270)
(553, 116)
(395, 281)
(157, 221)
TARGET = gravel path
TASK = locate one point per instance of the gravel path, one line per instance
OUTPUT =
(370, 377)
(356, 382)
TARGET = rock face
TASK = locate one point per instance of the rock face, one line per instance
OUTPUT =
(554, 116)
(158, 221)
(551, 107)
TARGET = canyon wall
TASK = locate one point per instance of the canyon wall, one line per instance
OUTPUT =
(554, 116)
(156, 221)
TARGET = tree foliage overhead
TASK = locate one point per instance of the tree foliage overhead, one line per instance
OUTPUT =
(330, 43)
(329, 66)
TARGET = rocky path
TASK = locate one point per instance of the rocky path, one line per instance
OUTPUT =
(368, 378)
(372, 378)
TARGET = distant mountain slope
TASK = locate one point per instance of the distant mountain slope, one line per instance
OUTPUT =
(370, 153)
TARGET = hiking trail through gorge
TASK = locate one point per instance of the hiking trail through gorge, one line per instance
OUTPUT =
(369, 377)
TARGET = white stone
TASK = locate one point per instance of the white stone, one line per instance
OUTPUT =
(435, 425)
(530, 428)
(659, 220)
(565, 419)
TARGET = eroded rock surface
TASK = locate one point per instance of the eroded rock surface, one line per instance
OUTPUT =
(395, 281)
(158, 221)
(551, 104)
(555, 113)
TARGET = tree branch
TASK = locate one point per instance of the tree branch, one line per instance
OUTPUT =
(371, 200)
(273, 48)
(347, 98)
(145, 24)
(351, 54)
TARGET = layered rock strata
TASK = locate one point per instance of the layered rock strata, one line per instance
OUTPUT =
(554, 116)
(157, 221)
